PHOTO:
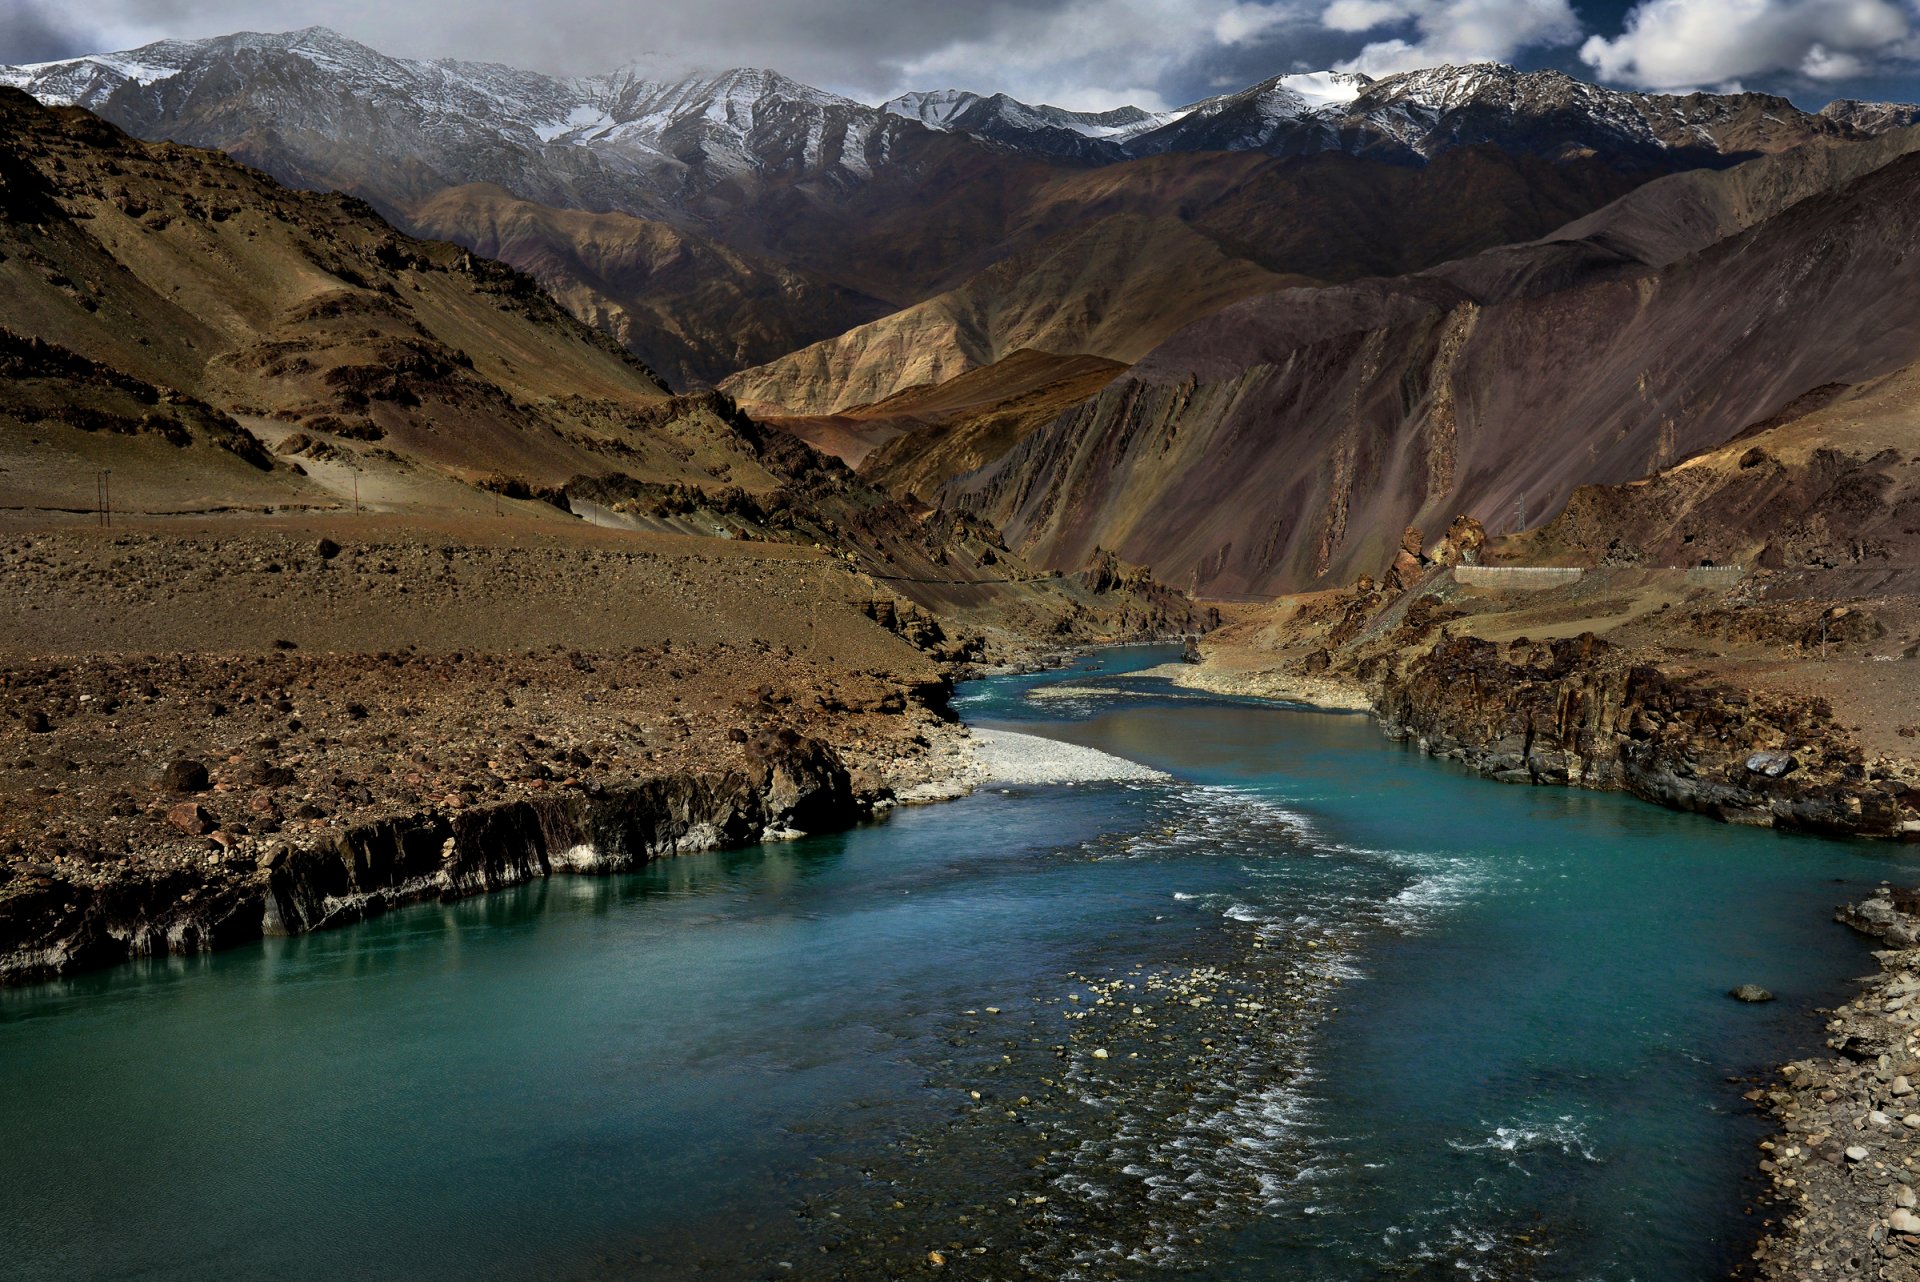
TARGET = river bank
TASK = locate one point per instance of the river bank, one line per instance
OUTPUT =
(1581, 713)
(220, 726)
(215, 730)
(1169, 1017)
(1845, 1166)
(182, 804)
(1692, 699)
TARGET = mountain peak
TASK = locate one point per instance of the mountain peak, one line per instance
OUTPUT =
(720, 121)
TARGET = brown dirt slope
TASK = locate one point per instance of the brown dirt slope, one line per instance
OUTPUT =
(1113, 289)
(1287, 441)
(961, 425)
(171, 295)
(688, 306)
(221, 344)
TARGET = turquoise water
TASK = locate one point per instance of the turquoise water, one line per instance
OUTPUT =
(1395, 1021)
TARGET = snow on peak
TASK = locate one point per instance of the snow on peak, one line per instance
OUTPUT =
(936, 109)
(1328, 88)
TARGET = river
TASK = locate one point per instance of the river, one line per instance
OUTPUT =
(1315, 1008)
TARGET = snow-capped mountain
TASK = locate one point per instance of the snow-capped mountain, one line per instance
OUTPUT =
(619, 141)
(795, 212)
(1411, 118)
(1052, 131)
(635, 142)
(1415, 116)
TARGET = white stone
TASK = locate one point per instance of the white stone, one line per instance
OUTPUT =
(1857, 1154)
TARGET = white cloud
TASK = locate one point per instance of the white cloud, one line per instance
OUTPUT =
(1449, 31)
(1679, 44)
(1090, 55)
(1244, 22)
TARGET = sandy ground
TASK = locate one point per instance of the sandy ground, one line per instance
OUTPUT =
(241, 586)
(1241, 675)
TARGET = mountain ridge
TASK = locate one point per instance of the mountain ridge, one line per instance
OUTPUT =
(719, 120)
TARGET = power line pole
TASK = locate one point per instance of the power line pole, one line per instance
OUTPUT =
(103, 497)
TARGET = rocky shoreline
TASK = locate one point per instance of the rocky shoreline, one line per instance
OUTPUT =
(179, 804)
(52, 927)
(1581, 712)
(1846, 1164)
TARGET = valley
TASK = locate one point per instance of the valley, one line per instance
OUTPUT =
(425, 479)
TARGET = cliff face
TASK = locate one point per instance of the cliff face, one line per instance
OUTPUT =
(1580, 712)
(1282, 443)
(791, 784)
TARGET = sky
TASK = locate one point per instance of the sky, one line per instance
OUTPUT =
(1087, 54)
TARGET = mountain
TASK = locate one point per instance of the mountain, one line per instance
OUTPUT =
(1284, 442)
(689, 307)
(657, 147)
(818, 254)
(1132, 251)
(158, 301)
(1112, 288)
(1414, 117)
(1086, 136)
(935, 433)
(317, 109)
(227, 349)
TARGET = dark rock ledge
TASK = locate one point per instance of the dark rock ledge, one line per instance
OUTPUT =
(791, 785)
(1579, 712)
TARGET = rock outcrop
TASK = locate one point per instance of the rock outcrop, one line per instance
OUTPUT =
(791, 785)
(1580, 712)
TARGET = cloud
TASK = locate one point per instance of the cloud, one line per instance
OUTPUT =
(1077, 52)
(32, 34)
(1449, 31)
(1095, 54)
(1682, 44)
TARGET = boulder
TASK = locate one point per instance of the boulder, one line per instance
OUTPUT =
(1405, 572)
(191, 818)
(1750, 993)
(185, 776)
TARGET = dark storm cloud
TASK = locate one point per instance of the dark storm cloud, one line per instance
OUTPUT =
(29, 34)
(1073, 52)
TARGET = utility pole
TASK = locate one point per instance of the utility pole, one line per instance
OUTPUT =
(103, 497)
(356, 486)
(1520, 513)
